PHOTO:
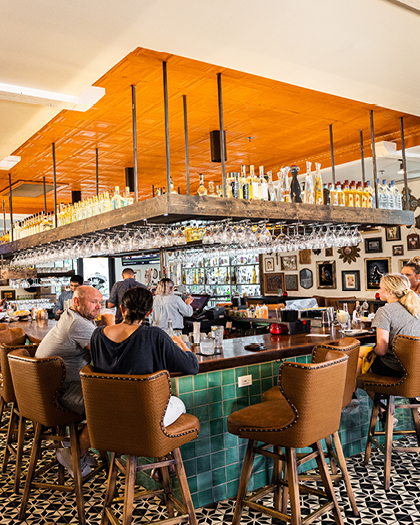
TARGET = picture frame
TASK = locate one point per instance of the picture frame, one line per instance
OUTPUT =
(10, 295)
(329, 252)
(373, 245)
(269, 264)
(398, 250)
(273, 283)
(393, 233)
(306, 278)
(350, 280)
(326, 275)
(289, 263)
(413, 242)
(375, 269)
(401, 263)
(305, 256)
(291, 282)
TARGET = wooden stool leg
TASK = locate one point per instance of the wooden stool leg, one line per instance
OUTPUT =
(372, 425)
(345, 473)
(285, 497)
(110, 489)
(11, 431)
(75, 455)
(19, 452)
(36, 448)
(293, 486)
(243, 485)
(277, 464)
(166, 484)
(130, 481)
(183, 485)
(388, 440)
(330, 453)
(327, 482)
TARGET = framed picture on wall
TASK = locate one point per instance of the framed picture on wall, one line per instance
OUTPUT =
(306, 278)
(393, 233)
(413, 242)
(329, 252)
(350, 281)
(373, 245)
(325, 274)
(291, 281)
(10, 295)
(269, 264)
(273, 283)
(289, 263)
(398, 249)
(375, 269)
(305, 257)
(401, 263)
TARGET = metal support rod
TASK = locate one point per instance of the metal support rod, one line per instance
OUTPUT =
(55, 186)
(10, 206)
(134, 119)
(45, 195)
(222, 132)
(165, 102)
(4, 217)
(404, 162)
(362, 156)
(375, 172)
(332, 154)
(162, 262)
(153, 190)
(97, 172)
(187, 152)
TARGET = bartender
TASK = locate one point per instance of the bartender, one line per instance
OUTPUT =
(67, 295)
(167, 306)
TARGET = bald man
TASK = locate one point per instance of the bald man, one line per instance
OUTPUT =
(70, 339)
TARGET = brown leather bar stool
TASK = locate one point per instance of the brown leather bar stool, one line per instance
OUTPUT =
(309, 412)
(37, 383)
(17, 424)
(350, 347)
(386, 389)
(125, 416)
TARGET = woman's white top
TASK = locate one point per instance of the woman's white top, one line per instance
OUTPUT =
(170, 307)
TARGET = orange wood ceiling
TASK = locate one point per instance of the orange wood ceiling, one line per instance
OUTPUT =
(289, 125)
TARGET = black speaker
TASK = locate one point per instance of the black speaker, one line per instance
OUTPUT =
(215, 146)
(76, 196)
(129, 178)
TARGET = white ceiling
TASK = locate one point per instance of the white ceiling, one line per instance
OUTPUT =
(360, 49)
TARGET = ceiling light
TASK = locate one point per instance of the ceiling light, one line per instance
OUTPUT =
(83, 102)
(8, 162)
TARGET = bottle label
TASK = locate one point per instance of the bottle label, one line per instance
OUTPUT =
(245, 191)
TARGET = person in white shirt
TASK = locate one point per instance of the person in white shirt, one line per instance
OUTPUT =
(166, 306)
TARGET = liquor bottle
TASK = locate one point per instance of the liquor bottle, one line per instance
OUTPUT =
(383, 195)
(340, 195)
(254, 276)
(235, 186)
(295, 191)
(227, 275)
(219, 190)
(170, 330)
(397, 196)
(271, 190)
(262, 186)
(280, 186)
(286, 197)
(195, 277)
(309, 185)
(319, 190)
(233, 276)
(245, 183)
(201, 189)
(391, 195)
(348, 200)
(212, 193)
(116, 201)
(173, 190)
(107, 202)
(371, 199)
(365, 195)
(352, 194)
(327, 194)
(358, 200)
(254, 183)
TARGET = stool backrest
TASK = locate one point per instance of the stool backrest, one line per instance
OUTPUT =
(125, 413)
(407, 349)
(8, 392)
(315, 392)
(13, 336)
(37, 383)
(348, 346)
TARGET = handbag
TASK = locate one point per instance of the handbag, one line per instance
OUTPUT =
(367, 361)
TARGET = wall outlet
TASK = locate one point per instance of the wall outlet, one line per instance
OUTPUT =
(244, 381)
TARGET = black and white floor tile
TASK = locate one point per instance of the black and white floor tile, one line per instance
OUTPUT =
(400, 505)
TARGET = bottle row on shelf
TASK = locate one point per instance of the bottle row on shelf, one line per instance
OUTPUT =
(221, 275)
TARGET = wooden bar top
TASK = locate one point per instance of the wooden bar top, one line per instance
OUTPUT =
(38, 329)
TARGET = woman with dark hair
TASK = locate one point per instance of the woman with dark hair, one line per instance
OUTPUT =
(134, 348)
(411, 270)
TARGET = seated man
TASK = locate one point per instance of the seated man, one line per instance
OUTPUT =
(70, 339)
(67, 295)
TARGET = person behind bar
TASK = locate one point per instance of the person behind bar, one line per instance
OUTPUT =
(67, 295)
(167, 306)
(70, 339)
(411, 270)
(131, 347)
(118, 290)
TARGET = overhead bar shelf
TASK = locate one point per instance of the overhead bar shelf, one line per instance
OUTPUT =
(173, 208)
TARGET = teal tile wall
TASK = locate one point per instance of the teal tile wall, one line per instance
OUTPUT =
(213, 462)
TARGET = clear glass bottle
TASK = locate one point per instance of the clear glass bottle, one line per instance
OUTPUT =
(254, 183)
(262, 186)
(127, 197)
(170, 330)
(212, 192)
(173, 190)
(286, 184)
(272, 196)
(116, 201)
(235, 186)
(340, 195)
(202, 189)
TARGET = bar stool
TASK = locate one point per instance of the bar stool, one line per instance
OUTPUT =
(309, 412)
(407, 350)
(350, 347)
(37, 383)
(125, 416)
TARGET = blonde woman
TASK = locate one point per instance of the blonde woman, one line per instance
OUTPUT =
(166, 306)
(411, 270)
(401, 315)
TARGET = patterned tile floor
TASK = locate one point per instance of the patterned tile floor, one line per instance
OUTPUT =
(400, 505)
